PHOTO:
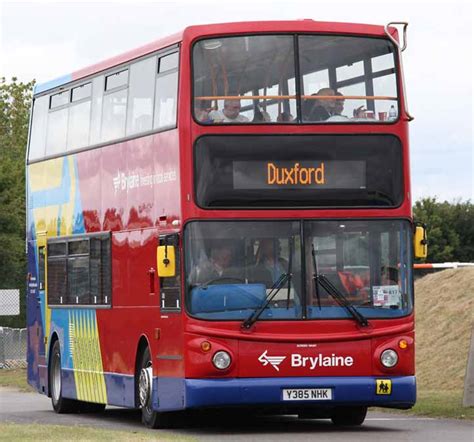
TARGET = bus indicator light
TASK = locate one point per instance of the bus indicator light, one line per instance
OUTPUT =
(205, 346)
(403, 344)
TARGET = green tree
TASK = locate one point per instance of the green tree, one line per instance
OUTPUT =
(15, 103)
(463, 220)
(450, 229)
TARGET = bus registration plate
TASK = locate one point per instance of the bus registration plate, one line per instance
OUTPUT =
(307, 394)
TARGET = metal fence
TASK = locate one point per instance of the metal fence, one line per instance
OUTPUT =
(9, 302)
(12, 347)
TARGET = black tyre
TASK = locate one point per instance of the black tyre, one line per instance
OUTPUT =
(349, 416)
(313, 414)
(90, 407)
(144, 380)
(60, 404)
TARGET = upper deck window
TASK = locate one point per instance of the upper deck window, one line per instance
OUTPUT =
(119, 79)
(168, 62)
(79, 117)
(356, 89)
(114, 110)
(81, 92)
(60, 99)
(259, 68)
(39, 127)
(166, 91)
(140, 96)
(251, 79)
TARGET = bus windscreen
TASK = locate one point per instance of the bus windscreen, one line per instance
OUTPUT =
(298, 171)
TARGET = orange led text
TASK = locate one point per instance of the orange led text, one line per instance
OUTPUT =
(296, 175)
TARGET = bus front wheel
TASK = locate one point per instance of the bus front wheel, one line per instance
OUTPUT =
(349, 416)
(151, 418)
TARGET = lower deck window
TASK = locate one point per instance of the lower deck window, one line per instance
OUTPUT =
(79, 270)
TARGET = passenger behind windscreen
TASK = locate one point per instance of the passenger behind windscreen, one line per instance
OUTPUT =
(261, 115)
(230, 113)
(269, 265)
(202, 108)
(339, 104)
(285, 117)
(322, 108)
(389, 275)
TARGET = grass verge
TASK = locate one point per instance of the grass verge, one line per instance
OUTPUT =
(439, 403)
(15, 378)
(35, 432)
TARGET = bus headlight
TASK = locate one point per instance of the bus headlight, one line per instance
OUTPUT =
(389, 358)
(221, 360)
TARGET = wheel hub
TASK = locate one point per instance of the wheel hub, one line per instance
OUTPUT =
(144, 385)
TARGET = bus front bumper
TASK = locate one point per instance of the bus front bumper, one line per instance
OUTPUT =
(363, 390)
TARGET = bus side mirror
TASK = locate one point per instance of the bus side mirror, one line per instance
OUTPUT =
(166, 261)
(420, 242)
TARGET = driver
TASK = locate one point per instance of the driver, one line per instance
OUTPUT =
(217, 267)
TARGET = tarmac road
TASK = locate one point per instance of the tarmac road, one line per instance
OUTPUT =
(32, 407)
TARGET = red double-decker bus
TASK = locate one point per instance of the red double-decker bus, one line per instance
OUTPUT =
(222, 218)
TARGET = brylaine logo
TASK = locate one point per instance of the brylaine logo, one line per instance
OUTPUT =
(274, 361)
(311, 362)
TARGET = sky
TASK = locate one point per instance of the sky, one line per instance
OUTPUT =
(45, 40)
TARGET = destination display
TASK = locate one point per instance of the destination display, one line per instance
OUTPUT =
(275, 171)
(299, 175)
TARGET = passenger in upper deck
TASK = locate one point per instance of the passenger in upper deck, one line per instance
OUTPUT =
(285, 117)
(324, 108)
(338, 109)
(339, 104)
(261, 115)
(202, 108)
(230, 114)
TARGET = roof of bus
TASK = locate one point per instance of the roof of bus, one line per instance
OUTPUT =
(193, 32)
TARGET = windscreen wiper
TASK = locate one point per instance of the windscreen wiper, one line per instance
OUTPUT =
(341, 300)
(290, 268)
(315, 276)
(284, 277)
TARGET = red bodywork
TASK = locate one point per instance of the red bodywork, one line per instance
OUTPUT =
(136, 216)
